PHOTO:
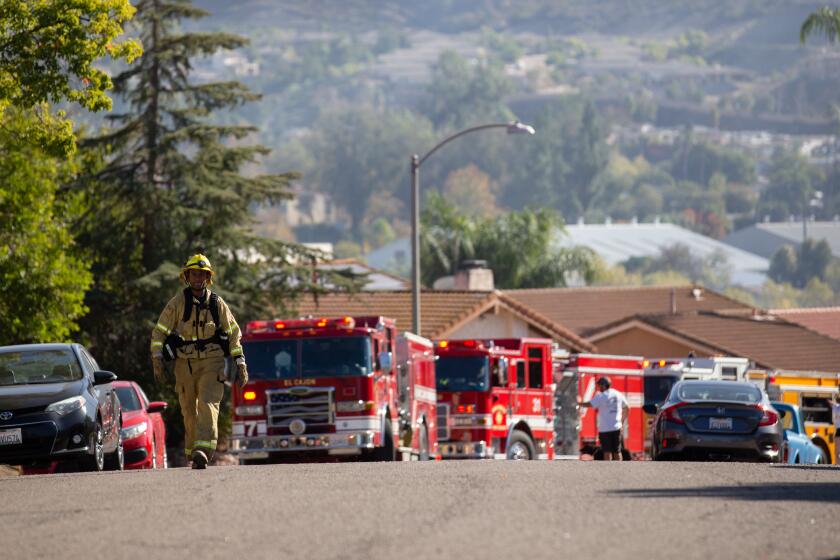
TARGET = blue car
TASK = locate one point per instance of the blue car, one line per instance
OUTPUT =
(798, 448)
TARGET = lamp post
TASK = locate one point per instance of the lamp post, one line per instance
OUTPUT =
(515, 127)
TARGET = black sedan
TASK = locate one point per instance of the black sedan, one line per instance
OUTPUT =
(57, 405)
(717, 420)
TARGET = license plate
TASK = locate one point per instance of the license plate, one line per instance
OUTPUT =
(720, 423)
(11, 437)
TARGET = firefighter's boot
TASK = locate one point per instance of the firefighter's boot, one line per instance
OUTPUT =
(199, 459)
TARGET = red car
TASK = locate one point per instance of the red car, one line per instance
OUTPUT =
(143, 431)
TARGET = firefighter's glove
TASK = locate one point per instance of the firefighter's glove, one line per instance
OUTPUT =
(241, 372)
(159, 370)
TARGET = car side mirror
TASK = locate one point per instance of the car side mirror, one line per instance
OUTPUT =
(156, 406)
(502, 371)
(651, 409)
(386, 362)
(101, 377)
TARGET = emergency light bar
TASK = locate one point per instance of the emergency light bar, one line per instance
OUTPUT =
(472, 344)
(299, 324)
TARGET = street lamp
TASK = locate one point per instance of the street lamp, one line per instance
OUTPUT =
(515, 127)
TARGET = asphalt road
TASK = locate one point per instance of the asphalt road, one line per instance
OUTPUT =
(510, 510)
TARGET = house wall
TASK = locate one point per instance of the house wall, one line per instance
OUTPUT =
(496, 325)
(639, 342)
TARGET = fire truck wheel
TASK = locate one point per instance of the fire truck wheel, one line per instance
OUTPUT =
(521, 447)
(387, 452)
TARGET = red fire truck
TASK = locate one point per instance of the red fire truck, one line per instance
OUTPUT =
(332, 387)
(576, 375)
(495, 398)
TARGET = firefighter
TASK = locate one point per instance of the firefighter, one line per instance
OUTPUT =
(198, 332)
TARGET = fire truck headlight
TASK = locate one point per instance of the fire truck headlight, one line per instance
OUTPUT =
(354, 406)
(256, 410)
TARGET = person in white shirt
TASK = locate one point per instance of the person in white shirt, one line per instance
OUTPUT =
(612, 410)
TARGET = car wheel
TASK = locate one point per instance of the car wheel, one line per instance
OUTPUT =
(115, 461)
(96, 461)
(822, 458)
(520, 448)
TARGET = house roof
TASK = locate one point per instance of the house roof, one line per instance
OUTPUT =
(616, 243)
(824, 320)
(587, 309)
(376, 279)
(442, 312)
(765, 239)
(769, 341)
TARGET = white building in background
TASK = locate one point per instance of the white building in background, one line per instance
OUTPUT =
(766, 238)
(615, 243)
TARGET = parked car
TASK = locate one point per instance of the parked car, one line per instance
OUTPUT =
(717, 420)
(143, 431)
(56, 404)
(797, 447)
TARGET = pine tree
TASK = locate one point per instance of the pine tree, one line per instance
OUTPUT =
(168, 182)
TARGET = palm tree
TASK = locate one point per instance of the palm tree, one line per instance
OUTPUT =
(825, 21)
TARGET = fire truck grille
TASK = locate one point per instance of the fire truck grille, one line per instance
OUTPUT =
(312, 405)
(443, 422)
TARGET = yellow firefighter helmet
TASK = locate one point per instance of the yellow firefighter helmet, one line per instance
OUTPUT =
(197, 262)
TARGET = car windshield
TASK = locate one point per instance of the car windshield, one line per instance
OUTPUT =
(23, 367)
(464, 373)
(735, 392)
(657, 387)
(309, 357)
(128, 398)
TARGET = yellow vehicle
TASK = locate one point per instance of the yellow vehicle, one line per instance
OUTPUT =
(813, 392)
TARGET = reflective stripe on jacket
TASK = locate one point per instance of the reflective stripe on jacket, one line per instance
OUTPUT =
(198, 326)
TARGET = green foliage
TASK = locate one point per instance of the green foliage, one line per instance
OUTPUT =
(43, 276)
(791, 186)
(825, 21)
(519, 247)
(463, 94)
(48, 51)
(712, 271)
(502, 45)
(360, 155)
(700, 161)
(798, 267)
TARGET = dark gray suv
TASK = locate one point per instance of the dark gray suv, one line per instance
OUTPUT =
(717, 420)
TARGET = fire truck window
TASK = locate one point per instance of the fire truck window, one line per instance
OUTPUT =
(335, 356)
(520, 375)
(535, 370)
(462, 373)
(272, 359)
(729, 373)
(816, 409)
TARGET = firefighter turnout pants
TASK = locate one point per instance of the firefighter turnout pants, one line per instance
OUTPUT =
(200, 387)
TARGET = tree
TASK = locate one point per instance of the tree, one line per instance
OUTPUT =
(470, 190)
(463, 94)
(520, 247)
(791, 186)
(48, 51)
(825, 21)
(43, 276)
(360, 154)
(47, 54)
(810, 261)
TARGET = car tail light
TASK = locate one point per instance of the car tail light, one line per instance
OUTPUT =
(672, 414)
(768, 418)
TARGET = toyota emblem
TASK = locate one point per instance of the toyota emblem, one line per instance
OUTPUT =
(6, 415)
(297, 426)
